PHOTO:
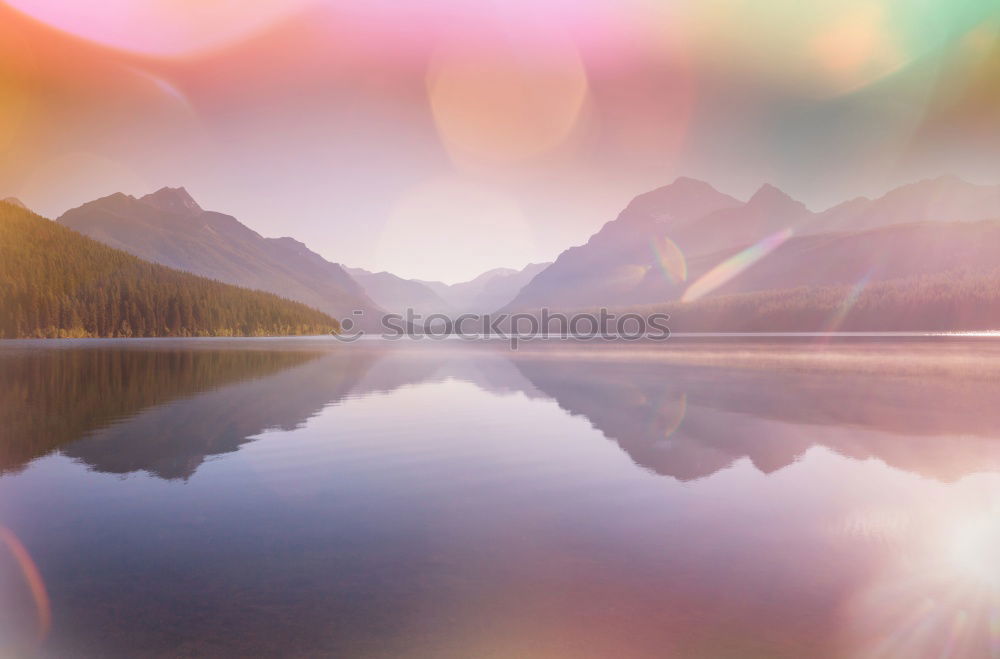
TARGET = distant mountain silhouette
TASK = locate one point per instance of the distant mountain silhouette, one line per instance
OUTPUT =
(486, 293)
(396, 295)
(662, 242)
(769, 210)
(943, 199)
(15, 201)
(666, 239)
(169, 227)
(616, 258)
(491, 290)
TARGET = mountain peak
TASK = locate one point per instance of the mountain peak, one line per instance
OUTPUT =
(692, 184)
(176, 200)
(768, 196)
(684, 188)
(950, 179)
(290, 242)
(14, 201)
(492, 274)
(683, 200)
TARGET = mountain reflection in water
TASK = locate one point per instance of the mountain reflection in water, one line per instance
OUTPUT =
(165, 411)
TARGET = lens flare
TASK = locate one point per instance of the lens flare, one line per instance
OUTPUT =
(858, 48)
(845, 307)
(670, 414)
(433, 218)
(33, 578)
(16, 69)
(500, 105)
(670, 258)
(734, 265)
(944, 599)
(160, 27)
(972, 547)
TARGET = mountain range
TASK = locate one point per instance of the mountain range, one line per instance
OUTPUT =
(485, 293)
(170, 228)
(668, 239)
(680, 243)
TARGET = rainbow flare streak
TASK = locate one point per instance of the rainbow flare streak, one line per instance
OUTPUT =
(845, 307)
(734, 265)
(670, 258)
(32, 577)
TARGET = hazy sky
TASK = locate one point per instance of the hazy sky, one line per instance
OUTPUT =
(441, 138)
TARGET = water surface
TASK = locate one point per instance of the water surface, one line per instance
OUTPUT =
(780, 498)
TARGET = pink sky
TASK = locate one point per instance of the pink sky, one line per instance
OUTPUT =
(448, 137)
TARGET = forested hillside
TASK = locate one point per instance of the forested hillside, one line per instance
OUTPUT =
(55, 282)
(168, 227)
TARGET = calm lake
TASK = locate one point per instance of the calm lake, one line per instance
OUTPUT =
(302, 497)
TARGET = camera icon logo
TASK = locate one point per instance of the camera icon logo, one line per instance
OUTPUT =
(348, 333)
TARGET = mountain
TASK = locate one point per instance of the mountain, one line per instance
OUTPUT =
(396, 295)
(463, 294)
(882, 254)
(768, 211)
(484, 294)
(659, 244)
(850, 258)
(55, 282)
(924, 276)
(943, 199)
(681, 202)
(501, 289)
(170, 228)
(489, 291)
(617, 257)
(14, 201)
(952, 301)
